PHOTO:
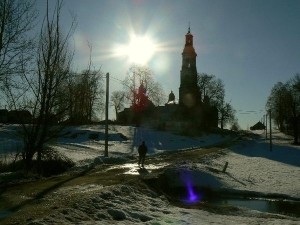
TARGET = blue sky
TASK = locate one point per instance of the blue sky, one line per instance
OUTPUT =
(249, 44)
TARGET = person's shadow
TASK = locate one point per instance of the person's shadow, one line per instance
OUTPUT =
(143, 171)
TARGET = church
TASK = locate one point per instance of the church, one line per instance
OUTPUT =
(191, 112)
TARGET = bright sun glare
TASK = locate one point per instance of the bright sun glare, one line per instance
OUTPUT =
(139, 50)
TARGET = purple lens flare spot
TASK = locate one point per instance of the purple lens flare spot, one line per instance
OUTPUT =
(192, 195)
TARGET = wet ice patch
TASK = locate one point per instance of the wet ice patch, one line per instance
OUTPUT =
(134, 169)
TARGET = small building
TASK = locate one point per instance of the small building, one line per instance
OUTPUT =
(3, 115)
(258, 126)
(19, 116)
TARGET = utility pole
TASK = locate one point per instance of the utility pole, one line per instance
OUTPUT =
(266, 126)
(134, 93)
(270, 130)
(106, 115)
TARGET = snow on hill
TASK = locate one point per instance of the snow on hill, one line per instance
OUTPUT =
(252, 167)
(83, 144)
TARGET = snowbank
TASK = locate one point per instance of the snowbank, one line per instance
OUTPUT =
(139, 205)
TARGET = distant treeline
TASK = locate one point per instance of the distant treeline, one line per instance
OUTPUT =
(284, 106)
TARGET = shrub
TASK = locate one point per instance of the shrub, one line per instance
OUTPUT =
(93, 136)
(52, 163)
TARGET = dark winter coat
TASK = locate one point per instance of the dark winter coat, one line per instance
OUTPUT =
(142, 149)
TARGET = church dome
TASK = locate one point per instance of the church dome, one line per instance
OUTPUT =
(171, 99)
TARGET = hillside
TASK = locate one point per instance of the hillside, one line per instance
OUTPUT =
(182, 181)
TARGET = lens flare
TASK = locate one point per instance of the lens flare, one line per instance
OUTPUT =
(139, 50)
(192, 196)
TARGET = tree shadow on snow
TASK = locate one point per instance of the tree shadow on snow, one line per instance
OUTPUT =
(157, 141)
(259, 147)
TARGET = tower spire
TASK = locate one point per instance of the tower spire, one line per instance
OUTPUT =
(189, 94)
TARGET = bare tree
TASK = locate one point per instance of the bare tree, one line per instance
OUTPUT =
(279, 102)
(84, 96)
(226, 114)
(235, 125)
(53, 62)
(211, 88)
(17, 18)
(141, 75)
(284, 102)
(92, 91)
(118, 101)
(157, 94)
(294, 84)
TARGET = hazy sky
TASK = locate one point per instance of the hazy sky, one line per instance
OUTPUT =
(249, 44)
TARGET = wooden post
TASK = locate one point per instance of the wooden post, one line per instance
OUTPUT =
(270, 131)
(225, 167)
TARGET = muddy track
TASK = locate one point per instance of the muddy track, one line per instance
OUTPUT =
(27, 200)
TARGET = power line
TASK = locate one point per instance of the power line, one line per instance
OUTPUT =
(116, 79)
(248, 112)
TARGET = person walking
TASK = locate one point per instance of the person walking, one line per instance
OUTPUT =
(142, 150)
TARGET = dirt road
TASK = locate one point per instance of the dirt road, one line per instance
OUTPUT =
(33, 198)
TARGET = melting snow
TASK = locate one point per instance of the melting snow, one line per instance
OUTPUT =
(252, 167)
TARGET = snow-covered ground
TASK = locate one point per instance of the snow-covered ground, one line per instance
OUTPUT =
(252, 167)
(84, 143)
(125, 204)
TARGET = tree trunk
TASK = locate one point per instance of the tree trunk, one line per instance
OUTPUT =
(28, 159)
(39, 161)
(117, 113)
(296, 142)
(222, 123)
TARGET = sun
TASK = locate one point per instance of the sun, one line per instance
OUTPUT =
(139, 50)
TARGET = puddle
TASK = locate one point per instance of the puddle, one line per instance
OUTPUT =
(200, 190)
(134, 169)
(4, 205)
(285, 207)
(195, 197)
(4, 213)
